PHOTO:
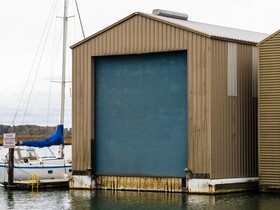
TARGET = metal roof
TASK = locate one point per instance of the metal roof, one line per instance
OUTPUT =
(216, 31)
(212, 31)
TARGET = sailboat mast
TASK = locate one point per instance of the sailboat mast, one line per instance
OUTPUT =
(65, 27)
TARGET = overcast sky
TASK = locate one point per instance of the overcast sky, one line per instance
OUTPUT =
(23, 22)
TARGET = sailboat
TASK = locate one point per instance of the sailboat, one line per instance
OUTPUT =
(26, 161)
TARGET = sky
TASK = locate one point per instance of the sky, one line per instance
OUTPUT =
(22, 38)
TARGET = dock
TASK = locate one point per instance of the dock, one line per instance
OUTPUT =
(34, 185)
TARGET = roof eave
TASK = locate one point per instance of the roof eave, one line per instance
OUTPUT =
(268, 37)
(130, 16)
(166, 22)
(174, 24)
(234, 40)
(103, 30)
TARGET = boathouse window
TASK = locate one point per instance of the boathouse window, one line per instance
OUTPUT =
(232, 69)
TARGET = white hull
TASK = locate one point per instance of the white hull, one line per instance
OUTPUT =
(44, 168)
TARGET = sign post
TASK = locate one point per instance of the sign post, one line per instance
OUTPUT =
(9, 142)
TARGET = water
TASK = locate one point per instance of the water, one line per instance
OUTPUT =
(130, 200)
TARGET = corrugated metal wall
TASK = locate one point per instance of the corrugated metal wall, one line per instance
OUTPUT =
(269, 111)
(234, 128)
(228, 121)
(140, 34)
(81, 109)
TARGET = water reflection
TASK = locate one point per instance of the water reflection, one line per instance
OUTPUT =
(130, 200)
(269, 201)
(10, 200)
(150, 200)
(124, 200)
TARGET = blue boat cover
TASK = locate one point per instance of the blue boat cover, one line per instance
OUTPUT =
(55, 139)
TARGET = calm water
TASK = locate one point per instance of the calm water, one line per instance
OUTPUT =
(127, 200)
(130, 200)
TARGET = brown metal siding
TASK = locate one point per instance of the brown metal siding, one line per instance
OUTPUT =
(269, 111)
(234, 142)
(247, 111)
(199, 103)
(81, 109)
(140, 34)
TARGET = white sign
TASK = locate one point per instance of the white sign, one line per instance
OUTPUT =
(9, 140)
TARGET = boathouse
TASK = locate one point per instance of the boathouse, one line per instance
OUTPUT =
(269, 113)
(163, 103)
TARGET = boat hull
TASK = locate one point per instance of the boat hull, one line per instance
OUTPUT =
(52, 169)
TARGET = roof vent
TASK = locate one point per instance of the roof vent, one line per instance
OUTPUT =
(170, 14)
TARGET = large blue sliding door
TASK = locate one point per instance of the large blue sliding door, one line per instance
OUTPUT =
(141, 114)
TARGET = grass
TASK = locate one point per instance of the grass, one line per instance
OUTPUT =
(67, 139)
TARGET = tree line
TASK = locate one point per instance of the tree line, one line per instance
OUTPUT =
(32, 130)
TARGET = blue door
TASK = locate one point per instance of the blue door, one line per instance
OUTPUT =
(141, 114)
